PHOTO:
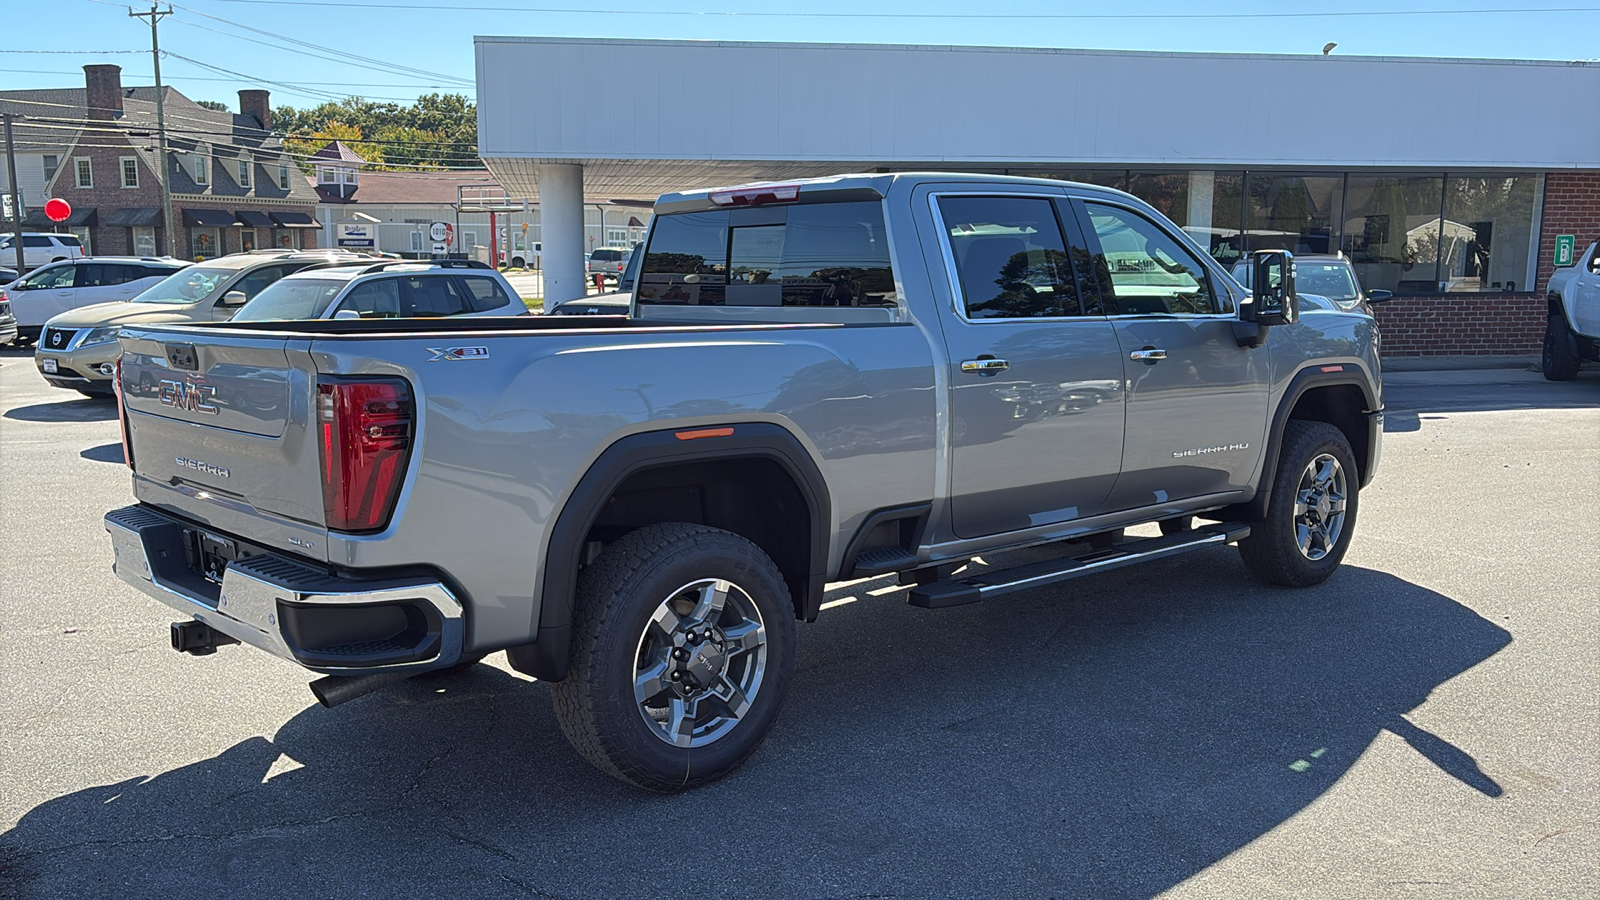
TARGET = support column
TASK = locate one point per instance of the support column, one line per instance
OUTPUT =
(1202, 190)
(561, 231)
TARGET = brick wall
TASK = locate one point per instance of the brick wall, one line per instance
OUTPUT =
(1462, 325)
(1496, 324)
(1571, 206)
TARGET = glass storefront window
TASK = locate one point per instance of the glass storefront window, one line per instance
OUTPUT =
(207, 243)
(144, 241)
(1204, 203)
(1392, 231)
(1488, 233)
(1293, 212)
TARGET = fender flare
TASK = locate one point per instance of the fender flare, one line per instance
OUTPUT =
(1308, 378)
(549, 656)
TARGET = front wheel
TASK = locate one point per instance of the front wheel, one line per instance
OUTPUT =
(682, 649)
(1557, 359)
(1312, 513)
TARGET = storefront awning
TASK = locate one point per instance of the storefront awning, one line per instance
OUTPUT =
(249, 218)
(80, 218)
(134, 217)
(208, 218)
(295, 220)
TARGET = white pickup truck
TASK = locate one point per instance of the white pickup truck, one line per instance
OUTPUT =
(1572, 333)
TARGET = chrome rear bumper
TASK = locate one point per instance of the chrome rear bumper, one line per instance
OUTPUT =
(326, 623)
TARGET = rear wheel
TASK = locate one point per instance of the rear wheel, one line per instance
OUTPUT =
(1558, 360)
(1312, 513)
(682, 650)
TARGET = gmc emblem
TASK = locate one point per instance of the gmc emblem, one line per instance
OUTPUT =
(188, 395)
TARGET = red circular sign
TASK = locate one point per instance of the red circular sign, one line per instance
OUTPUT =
(57, 210)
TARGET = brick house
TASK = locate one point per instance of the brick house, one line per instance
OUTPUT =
(233, 186)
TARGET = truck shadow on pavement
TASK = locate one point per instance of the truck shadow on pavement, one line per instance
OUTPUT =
(1110, 737)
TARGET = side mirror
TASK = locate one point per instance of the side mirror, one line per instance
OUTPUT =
(344, 314)
(233, 298)
(1379, 296)
(1272, 296)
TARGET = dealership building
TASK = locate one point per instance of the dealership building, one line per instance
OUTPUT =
(1446, 181)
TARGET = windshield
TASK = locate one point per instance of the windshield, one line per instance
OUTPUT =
(1331, 280)
(186, 285)
(291, 298)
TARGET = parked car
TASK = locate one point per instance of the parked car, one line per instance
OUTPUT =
(606, 261)
(1331, 276)
(40, 247)
(611, 303)
(638, 510)
(78, 349)
(1572, 330)
(8, 275)
(53, 289)
(389, 290)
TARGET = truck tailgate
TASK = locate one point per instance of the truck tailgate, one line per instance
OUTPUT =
(220, 430)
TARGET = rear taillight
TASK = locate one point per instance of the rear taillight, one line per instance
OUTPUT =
(365, 430)
(122, 413)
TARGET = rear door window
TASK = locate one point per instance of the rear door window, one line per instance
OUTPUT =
(29, 240)
(429, 296)
(817, 254)
(484, 293)
(374, 299)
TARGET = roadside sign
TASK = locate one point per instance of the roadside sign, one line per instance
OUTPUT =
(1564, 248)
(358, 236)
(7, 196)
(441, 232)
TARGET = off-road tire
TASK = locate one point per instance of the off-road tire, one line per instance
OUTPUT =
(1272, 552)
(1556, 358)
(616, 597)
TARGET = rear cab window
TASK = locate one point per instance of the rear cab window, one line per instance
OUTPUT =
(790, 255)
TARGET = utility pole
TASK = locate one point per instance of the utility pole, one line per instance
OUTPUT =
(156, 14)
(16, 195)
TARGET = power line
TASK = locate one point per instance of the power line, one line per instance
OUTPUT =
(811, 14)
(235, 80)
(346, 58)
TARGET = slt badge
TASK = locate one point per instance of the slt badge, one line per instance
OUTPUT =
(451, 354)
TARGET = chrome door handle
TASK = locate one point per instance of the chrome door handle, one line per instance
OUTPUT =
(984, 366)
(1149, 355)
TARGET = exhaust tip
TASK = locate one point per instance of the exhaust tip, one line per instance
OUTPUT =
(333, 690)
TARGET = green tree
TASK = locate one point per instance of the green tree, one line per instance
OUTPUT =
(436, 131)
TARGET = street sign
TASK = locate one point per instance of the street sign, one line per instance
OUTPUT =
(1564, 248)
(441, 232)
(7, 197)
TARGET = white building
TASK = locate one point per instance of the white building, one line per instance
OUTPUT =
(1313, 153)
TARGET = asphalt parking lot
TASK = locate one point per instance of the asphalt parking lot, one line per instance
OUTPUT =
(1422, 725)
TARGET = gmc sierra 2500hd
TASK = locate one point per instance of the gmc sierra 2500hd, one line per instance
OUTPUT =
(826, 380)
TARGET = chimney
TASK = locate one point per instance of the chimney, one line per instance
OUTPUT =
(255, 103)
(104, 91)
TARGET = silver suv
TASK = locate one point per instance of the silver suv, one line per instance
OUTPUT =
(608, 261)
(39, 248)
(387, 290)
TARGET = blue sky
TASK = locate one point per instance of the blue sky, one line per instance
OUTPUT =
(431, 42)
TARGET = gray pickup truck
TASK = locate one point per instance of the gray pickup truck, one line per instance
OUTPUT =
(866, 375)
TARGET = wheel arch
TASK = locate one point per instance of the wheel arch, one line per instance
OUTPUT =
(756, 480)
(1340, 394)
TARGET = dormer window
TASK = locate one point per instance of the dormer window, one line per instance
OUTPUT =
(245, 164)
(202, 166)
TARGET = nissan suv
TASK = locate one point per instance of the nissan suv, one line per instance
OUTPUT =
(78, 349)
